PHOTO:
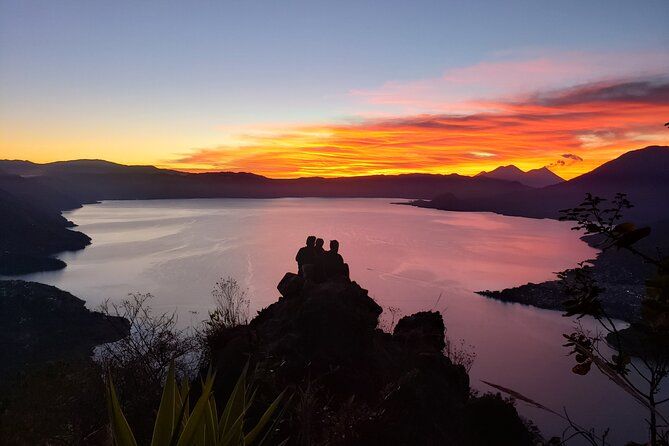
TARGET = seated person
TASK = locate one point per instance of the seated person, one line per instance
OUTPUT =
(319, 246)
(333, 262)
(306, 255)
(319, 254)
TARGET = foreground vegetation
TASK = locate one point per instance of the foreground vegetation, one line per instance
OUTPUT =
(177, 425)
(640, 361)
(636, 358)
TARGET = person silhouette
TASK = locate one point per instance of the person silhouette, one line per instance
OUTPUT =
(306, 255)
(318, 260)
(333, 262)
(319, 246)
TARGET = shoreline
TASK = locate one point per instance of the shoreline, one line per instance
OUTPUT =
(620, 273)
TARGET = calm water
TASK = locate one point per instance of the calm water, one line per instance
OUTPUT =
(409, 258)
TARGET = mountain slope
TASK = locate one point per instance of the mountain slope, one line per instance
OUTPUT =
(642, 174)
(534, 178)
(31, 227)
(82, 166)
(40, 192)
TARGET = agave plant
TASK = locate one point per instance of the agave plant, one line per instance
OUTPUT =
(177, 425)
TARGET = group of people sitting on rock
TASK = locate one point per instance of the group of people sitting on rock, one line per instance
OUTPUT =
(317, 264)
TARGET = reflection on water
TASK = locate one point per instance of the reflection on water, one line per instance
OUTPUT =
(409, 258)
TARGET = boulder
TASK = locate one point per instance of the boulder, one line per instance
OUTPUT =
(422, 332)
(290, 285)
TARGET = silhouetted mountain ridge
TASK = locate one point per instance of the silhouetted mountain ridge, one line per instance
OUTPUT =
(81, 166)
(93, 180)
(534, 178)
(642, 174)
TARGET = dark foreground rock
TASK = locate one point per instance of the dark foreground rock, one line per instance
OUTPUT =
(354, 384)
(51, 391)
(40, 323)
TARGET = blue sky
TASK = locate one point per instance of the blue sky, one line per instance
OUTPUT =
(186, 67)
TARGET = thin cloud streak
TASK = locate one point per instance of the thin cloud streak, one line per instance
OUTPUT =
(508, 77)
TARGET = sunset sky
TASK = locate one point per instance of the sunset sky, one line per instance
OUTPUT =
(288, 88)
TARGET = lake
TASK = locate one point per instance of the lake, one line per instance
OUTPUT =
(408, 258)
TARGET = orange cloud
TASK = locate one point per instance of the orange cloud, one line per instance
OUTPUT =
(571, 130)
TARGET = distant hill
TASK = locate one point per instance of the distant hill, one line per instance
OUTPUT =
(534, 178)
(642, 174)
(84, 166)
(93, 180)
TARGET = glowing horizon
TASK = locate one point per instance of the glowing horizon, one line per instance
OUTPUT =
(327, 93)
(571, 131)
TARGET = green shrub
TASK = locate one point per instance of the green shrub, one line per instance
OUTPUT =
(177, 425)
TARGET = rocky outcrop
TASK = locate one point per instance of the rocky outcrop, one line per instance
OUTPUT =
(353, 383)
(422, 332)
